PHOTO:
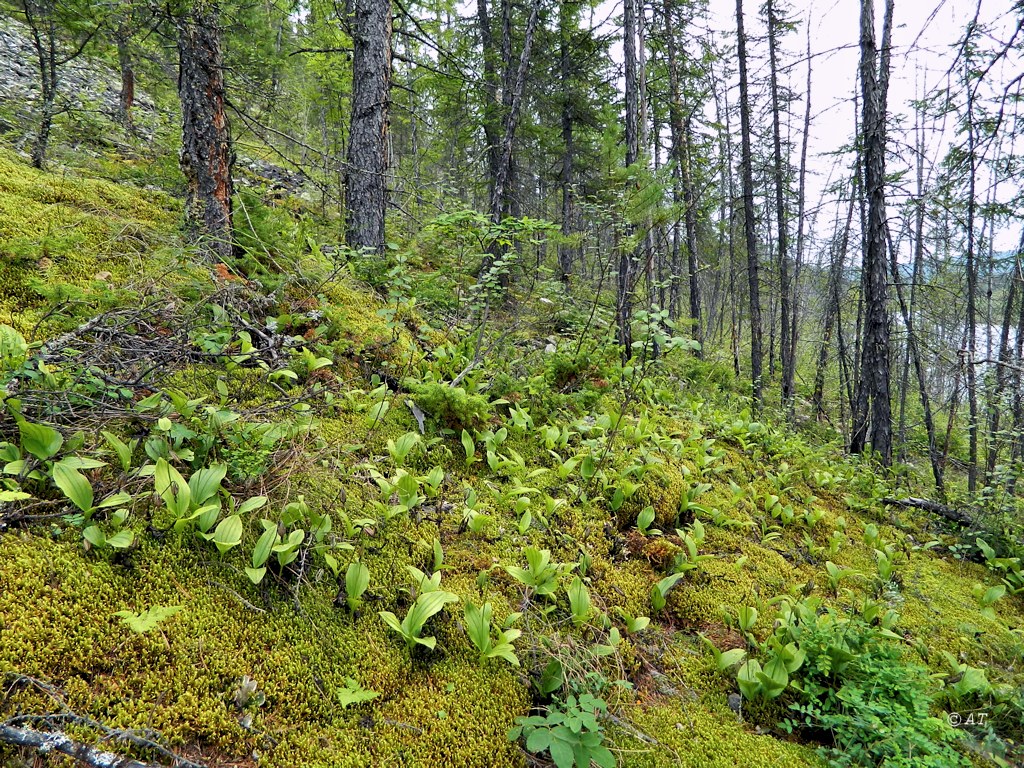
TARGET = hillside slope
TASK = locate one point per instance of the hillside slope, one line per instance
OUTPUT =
(309, 401)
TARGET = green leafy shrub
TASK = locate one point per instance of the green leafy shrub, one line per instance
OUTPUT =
(872, 708)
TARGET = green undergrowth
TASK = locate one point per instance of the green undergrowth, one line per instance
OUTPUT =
(67, 237)
(676, 532)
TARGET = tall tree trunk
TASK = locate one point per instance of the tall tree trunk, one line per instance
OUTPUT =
(126, 98)
(624, 297)
(366, 187)
(512, 97)
(565, 251)
(692, 257)
(43, 27)
(922, 390)
(206, 152)
(781, 219)
(831, 315)
(491, 112)
(972, 290)
(1003, 366)
(801, 228)
(681, 132)
(875, 347)
(753, 276)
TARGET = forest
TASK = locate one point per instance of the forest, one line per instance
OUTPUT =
(511, 383)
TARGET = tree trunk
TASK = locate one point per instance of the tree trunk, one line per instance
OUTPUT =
(43, 26)
(491, 118)
(874, 367)
(624, 297)
(206, 153)
(972, 290)
(801, 227)
(565, 251)
(832, 315)
(781, 219)
(366, 187)
(753, 277)
(1003, 367)
(126, 99)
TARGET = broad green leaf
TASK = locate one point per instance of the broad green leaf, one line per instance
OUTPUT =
(227, 534)
(119, 499)
(74, 485)
(41, 441)
(264, 546)
(357, 579)
(121, 448)
(205, 483)
(121, 539)
(95, 536)
(250, 505)
(172, 488)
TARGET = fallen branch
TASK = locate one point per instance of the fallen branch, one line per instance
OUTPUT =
(45, 743)
(950, 513)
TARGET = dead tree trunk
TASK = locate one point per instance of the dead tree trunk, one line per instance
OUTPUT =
(206, 153)
(366, 187)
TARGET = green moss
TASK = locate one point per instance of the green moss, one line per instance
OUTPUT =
(56, 624)
(56, 228)
(690, 736)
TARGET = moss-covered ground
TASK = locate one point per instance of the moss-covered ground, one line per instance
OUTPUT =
(293, 636)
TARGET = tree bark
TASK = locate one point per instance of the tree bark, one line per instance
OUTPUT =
(206, 156)
(565, 251)
(624, 297)
(753, 276)
(366, 187)
(43, 27)
(126, 98)
(874, 368)
(972, 290)
(781, 218)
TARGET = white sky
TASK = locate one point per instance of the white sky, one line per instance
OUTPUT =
(925, 40)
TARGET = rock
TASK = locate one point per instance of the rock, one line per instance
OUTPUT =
(83, 84)
(736, 703)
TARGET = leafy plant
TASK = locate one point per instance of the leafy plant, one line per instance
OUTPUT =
(659, 592)
(149, 619)
(411, 627)
(357, 580)
(633, 624)
(570, 732)
(987, 598)
(540, 575)
(353, 693)
(478, 627)
(579, 602)
(644, 521)
(402, 447)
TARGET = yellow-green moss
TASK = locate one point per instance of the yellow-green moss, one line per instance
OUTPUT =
(68, 229)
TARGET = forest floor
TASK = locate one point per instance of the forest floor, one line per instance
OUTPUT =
(322, 405)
